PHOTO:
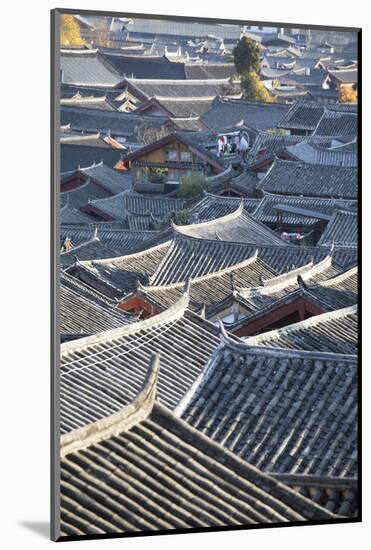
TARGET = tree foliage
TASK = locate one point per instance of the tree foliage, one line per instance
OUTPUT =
(253, 88)
(70, 31)
(246, 56)
(192, 185)
(347, 94)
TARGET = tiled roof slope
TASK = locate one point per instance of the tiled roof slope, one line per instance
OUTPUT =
(102, 373)
(117, 277)
(285, 411)
(256, 115)
(73, 156)
(145, 66)
(78, 315)
(163, 474)
(210, 288)
(190, 257)
(323, 282)
(335, 332)
(266, 213)
(342, 229)
(69, 214)
(306, 115)
(195, 71)
(147, 88)
(312, 154)
(336, 124)
(267, 144)
(122, 241)
(340, 291)
(136, 204)
(302, 115)
(114, 181)
(118, 123)
(297, 178)
(216, 206)
(238, 226)
(86, 67)
(92, 249)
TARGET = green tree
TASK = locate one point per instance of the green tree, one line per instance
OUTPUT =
(246, 56)
(70, 31)
(192, 185)
(254, 89)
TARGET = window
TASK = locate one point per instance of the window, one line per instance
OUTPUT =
(185, 156)
(260, 28)
(171, 155)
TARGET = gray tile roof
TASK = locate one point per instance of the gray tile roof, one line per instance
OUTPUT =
(346, 76)
(317, 77)
(266, 213)
(124, 204)
(118, 277)
(180, 107)
(191, 257)
(211, 288)
(147, 88)
(266, 144)
(216, 206)
(340, 291)
(342, 229)
(69, 214)
(79, 316)
(241, 182)
(182, 28)
(162, 474)
(256, 115)
(195, 71)
(335, 332)
(122, 241)
(302, 115)
(91, 102)
(89, 250)
(338, 124)
(102, 373)
(118, 123)
(312, 154)
(322, 283)
(237, 226)
(284, 411)
(87, 67)
(73, 156)
(155, 67)
(114, 181)
(311, 180)
(306, 115)
(81, 195)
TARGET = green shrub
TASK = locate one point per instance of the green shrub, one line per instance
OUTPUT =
(192, 185)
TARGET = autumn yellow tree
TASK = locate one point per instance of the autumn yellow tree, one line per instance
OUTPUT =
(70, 31)
(254, 89)
(347, 94)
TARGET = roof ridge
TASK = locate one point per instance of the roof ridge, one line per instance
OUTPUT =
(312, 321)
(173, 313)
(244, 263)
(231, 216)
(337, 278)
(123, 420)
(244, 347)
(246, 471)
(121, 258)
(306, 271)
